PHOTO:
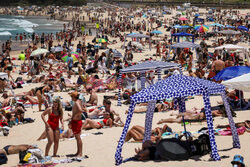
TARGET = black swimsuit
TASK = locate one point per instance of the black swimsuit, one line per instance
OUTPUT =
(40, 88)
(6, 149)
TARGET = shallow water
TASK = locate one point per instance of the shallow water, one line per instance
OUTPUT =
(11, 25)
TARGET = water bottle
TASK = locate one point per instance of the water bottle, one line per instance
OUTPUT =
(177, 136)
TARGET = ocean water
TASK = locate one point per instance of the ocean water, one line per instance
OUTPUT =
(11, 25)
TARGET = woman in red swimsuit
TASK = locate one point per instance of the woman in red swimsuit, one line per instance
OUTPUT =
(52, 125)
(91, 124)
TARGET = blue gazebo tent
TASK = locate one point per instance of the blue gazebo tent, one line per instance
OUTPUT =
(182, 34)
(179, 87)
(142, 68)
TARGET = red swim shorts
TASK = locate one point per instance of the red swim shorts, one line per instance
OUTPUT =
(76, 126)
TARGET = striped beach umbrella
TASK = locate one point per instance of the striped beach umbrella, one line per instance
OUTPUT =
(201, 28)
(74, 55)
(101, 40)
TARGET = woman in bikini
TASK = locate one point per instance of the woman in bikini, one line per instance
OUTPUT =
(39, 92)
(91, 124)
(137, 133)
(52, 125)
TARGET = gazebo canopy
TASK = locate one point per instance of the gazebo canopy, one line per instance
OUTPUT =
(182, 34)
(230, 47)
(149, 65)
(185, 44)
(229, 32)
(179, 87)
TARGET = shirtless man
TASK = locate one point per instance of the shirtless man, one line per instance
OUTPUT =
(93, 99)
(218, 65)
(15, 149)
(6, 101)
(76, 121)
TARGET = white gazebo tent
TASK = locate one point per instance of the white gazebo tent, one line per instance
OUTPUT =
(231, 48)
(137, 36)
(241, 83)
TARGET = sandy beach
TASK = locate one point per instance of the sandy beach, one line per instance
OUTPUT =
(101, 148)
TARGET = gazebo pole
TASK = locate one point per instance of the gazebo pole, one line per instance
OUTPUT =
(119, 91)
(182, 109)
(236, 141)
(143, 79)
(148, 120)
(214, 155)
(159, 74)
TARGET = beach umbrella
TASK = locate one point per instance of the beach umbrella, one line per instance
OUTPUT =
(101, 40)
(215, 24)
(156, 32)
(241, 83)
(201, 28)
(39, 52)
(58, 49)
(183, 18)
(177, 26)
(243, 28)
(173, 149)
(74, 55)
(229, 32)
(197, 15)
(228, 26)
(231, 72)
(117, 53)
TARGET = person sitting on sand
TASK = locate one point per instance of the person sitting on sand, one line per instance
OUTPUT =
(93, 99)
(15, 149)
(137, 133)
(6, 101)
(115, 116)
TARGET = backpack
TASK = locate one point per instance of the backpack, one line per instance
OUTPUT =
(201, 146)
(3, 159)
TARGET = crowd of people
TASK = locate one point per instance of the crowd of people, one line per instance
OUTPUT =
(94, 71)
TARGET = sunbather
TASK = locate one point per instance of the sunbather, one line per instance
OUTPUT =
(246, 124)
(137, 133)
(15, 149)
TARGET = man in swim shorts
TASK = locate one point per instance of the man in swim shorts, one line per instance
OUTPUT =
(76, 121)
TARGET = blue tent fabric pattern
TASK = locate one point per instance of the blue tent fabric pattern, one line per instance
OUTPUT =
(178, 86)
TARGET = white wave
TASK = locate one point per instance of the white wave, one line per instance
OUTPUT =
(48, 24)
(19, 16)
(7, 29)
(29, 30)
(5, 33)
(25, 24)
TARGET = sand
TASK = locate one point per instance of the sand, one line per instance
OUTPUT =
(101, 148)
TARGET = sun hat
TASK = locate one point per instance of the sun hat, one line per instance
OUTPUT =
(238, 159)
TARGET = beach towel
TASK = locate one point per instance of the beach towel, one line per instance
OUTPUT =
(227, 132)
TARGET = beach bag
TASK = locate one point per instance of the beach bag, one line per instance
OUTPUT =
(24, 157)
(201, 146)
(174, 149)
(3, 159)
(68, 108)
